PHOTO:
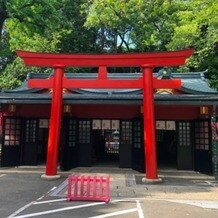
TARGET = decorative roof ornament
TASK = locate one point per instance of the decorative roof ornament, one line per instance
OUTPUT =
(164, 73)
(164, 91)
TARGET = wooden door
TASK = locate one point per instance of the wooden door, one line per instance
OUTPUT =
(138, 159)
(69, 144)
(11, 145)
(202, 151)
(30, 147)
(84, 143)
(125, 148)
(111, 145)
(184, 145)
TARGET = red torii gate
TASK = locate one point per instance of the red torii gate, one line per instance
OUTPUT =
(147, 61)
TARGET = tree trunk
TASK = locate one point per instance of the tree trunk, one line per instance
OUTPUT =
(3, 17)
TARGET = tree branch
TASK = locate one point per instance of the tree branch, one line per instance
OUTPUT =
(124, 41)
(29, 4)
(3, 16)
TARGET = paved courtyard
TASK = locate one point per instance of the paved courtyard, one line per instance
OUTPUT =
(182, 194)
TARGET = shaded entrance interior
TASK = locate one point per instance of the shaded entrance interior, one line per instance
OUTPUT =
(42, 145)
(166, 148)
(105, 147)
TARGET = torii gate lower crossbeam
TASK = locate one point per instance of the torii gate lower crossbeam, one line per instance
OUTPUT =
(144, 60)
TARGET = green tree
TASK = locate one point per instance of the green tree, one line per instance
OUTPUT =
(198, 28)
(75, 26)
(28, 25)
(79, 39)
(32, 16)
(44, 26)
(139, 25)
(158, 25)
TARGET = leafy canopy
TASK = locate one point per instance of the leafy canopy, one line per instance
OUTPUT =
(158, 25)
(107, 26)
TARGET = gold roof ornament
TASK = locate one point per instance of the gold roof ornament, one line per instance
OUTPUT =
(164, 91)
(204, 110)
(50, 91)
(11, 108)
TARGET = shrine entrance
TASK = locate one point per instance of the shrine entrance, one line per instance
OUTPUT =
(166, 148)
(105, 148)
(42, 146)
(11, 142)
(91, 142)
(146, 61)
(112, 143)
(34, 141)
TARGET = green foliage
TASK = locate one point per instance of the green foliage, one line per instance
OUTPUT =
(34, 25)
(107, 26)
(15, 73)
(78, 39)
(144, 25)
(43, 26)
(198, 28)
(160, 25)
(9, 78)
(28, 25)
(35, 14)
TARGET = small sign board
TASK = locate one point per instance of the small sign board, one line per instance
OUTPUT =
(170, 125)
(43, 123)
(106, 124)
(96, 124)
(160, 125)
(115, 124)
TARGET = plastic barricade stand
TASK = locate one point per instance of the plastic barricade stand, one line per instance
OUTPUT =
(87, 188)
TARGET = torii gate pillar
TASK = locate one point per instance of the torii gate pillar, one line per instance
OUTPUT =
(149, 126)
(55, 124)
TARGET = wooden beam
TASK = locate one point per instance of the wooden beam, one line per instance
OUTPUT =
(170, 58)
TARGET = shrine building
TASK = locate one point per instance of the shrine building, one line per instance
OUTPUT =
(104, 126)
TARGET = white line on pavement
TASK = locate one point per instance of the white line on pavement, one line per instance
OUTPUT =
(59, 210)
(139, 208)
(2, 175)
(116, 213)
(57, 191)
(64, 199)
(51, 201)
(40, 198)
(52, 189)
(127, 199)
(197, 203)
(21, 209)
(209, 183)
(26, 206)
(202, 204)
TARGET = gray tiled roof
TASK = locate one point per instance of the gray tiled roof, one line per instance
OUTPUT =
(192, 83)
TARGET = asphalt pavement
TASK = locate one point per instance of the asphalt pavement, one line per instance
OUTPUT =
(182, 194)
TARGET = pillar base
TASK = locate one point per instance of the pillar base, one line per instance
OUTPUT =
(152, 181)
(46, 177)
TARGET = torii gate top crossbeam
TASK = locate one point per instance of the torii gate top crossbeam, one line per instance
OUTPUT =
(171, 58)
